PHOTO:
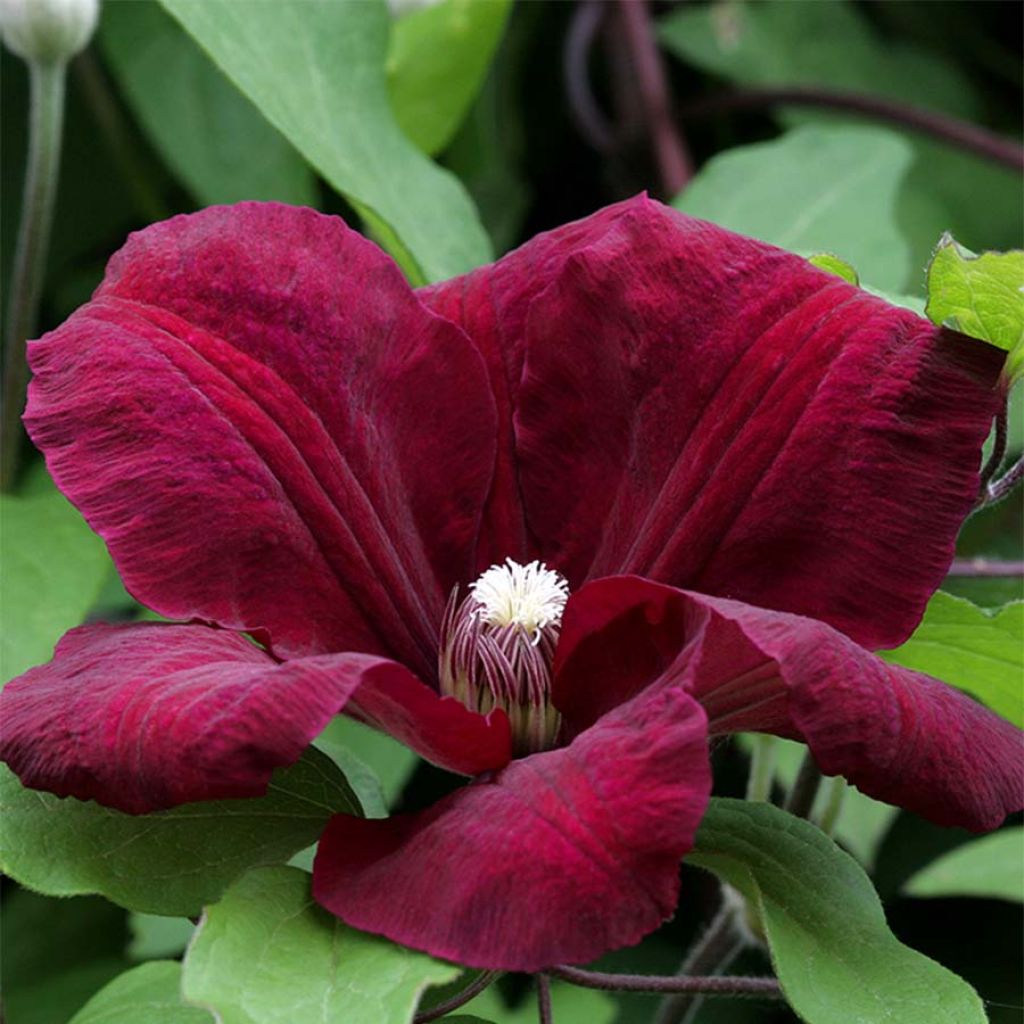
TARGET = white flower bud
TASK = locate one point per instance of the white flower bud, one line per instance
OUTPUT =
(47, 31)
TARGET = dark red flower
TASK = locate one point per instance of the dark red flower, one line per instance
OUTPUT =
(275, 435)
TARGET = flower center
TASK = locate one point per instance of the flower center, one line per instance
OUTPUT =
(498, 644)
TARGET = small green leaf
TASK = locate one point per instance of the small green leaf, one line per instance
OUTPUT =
(54, 567)
(316, 72)
(436, 63)
(172, 862)
(972, 649)
(215, 141)
(982, 296)
(818, 188)
(314, 968)
(834, 265)
(833, 953)
(992, 866)
(147, 993)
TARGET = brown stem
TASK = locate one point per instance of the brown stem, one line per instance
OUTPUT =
(805, 788)
(1004, 486)
(544, 1015)
(764, 988)
(985, 567)
(471, 991)
(952, 130)
(674, 164)
(585, 111)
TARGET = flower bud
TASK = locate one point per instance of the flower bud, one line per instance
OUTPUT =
(47, 31)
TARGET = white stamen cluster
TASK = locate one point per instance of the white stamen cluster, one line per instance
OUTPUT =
(497, 647)
(532, 595)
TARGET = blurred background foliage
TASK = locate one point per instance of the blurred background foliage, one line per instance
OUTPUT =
(456, 131)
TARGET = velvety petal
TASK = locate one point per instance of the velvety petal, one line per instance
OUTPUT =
(144, 717)
(692, 406)
(271, 432)
(438, 728)
(561, 857)
(898, 735)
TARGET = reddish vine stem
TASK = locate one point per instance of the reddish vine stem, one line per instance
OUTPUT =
(544, 1015)
(763, 988)
(473, 989)
(1001, 488)
(590, 119)
(943, 127)
(674, 164)
(985, 567)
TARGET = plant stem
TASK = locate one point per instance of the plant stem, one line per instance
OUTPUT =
(943, 127)
(762, 768)
(46, 117)
(987, 567)
(836, 793)
(471, 991)
(589, 118)
(1004, 486)
(674, 164)
(714, 951)
(763, 988)
(805, 788)
(544, 1015)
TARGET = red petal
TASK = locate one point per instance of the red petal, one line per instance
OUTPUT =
(561, 857)
(271, 432)
(144, 717)
(898, 735)
(693, 406)
(439, 729)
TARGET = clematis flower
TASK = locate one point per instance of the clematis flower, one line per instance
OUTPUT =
(553, 524)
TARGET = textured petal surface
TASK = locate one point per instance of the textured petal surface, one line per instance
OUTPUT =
(439, 729)
(898, 735)
(271, 432)
(144, 717)
(682, 403)
(561, 857)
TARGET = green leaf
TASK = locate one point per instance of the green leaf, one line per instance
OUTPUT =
(172, 862)
(833, 44)
(972, 649)
(992, 866)
(147, 993)
(54, 567)
(156, 938)
(863, 822)
(316, 72)
(436, 63)
(833, 953)
(818, 188)
(219, 146)
(832, 264)
(314, 968)
(982, 296)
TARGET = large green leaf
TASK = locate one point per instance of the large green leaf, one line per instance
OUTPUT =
(992, 866)
(831, 43)
(313, 968)
(149, 993)
(818, 188)
(973, 649)
(834, 955)
(315, 70)
(217, 143)
(172, 862)
(52, 568)
(983, 296)
(437, 61)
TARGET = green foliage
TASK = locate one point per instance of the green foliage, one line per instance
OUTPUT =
(147, 993)
(834, 265)
(54, 567)
(982, 296)
(569, 1005)
(833, 953)
(313, 968)
(992, 866)
(972, 649)
(155, 937)
(831, 43)
(217, 143)
(172, 862)
(316, 72)
(436, 63)
(818, 188)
